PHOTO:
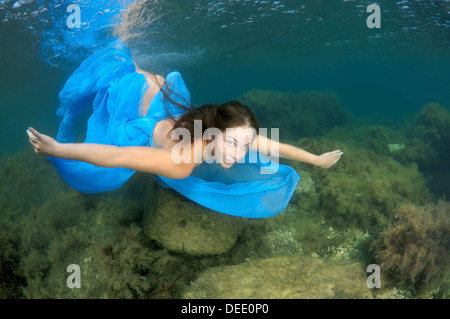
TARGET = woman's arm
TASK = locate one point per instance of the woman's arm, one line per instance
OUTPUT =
(270, 147)
(145, 159)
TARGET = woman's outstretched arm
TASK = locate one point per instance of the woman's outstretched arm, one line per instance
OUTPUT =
(268, 146)
(145, 159)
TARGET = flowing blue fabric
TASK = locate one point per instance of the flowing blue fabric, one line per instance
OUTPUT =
(108, 81)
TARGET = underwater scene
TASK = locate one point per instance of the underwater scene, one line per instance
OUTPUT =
(370, 78)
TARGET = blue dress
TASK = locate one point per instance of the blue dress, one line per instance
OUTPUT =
(108, 82)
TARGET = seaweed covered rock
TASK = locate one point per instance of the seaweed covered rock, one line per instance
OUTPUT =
(428, 137)
(180, 225)
(282, 277)
(11, 282)
(432, 125)
(386, 141)
(305, 114)
(414, 251)
(305, 196)
(102, 235)
(27, 180)
(364, 189)
(378, 138)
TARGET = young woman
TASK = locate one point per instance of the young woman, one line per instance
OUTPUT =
(135, 115)
(158, 159)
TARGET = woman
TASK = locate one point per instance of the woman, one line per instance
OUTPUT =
(158, 159)
(133, 110)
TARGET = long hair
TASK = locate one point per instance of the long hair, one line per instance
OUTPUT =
(183, 103)
(220, 116)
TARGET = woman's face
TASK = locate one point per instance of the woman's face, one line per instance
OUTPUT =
(234, 145)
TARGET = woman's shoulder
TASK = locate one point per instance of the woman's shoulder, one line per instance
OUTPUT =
(162, 139)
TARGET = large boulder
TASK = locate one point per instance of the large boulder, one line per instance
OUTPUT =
(181, 225)
(282, 277)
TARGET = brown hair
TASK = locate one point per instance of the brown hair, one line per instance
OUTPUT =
(220, 116)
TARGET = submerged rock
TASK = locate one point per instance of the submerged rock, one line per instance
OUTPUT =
(181, 225)
(282, 277)
(395, 147)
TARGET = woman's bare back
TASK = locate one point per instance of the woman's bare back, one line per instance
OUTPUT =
(155, 83)
(160, 138)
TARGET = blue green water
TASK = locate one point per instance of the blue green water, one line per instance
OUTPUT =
(224, 49)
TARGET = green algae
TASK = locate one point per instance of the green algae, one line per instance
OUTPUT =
(305, 114)
(413, 251)
(282, 278)
(364, 189)
(334, 216)
(432, 125)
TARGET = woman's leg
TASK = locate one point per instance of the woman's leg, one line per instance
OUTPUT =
(155, 82)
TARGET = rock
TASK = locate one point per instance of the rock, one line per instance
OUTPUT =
(282, 278)
(181, 225)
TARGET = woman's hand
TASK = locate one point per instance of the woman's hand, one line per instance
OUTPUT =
(328, 159)
(42, 144)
